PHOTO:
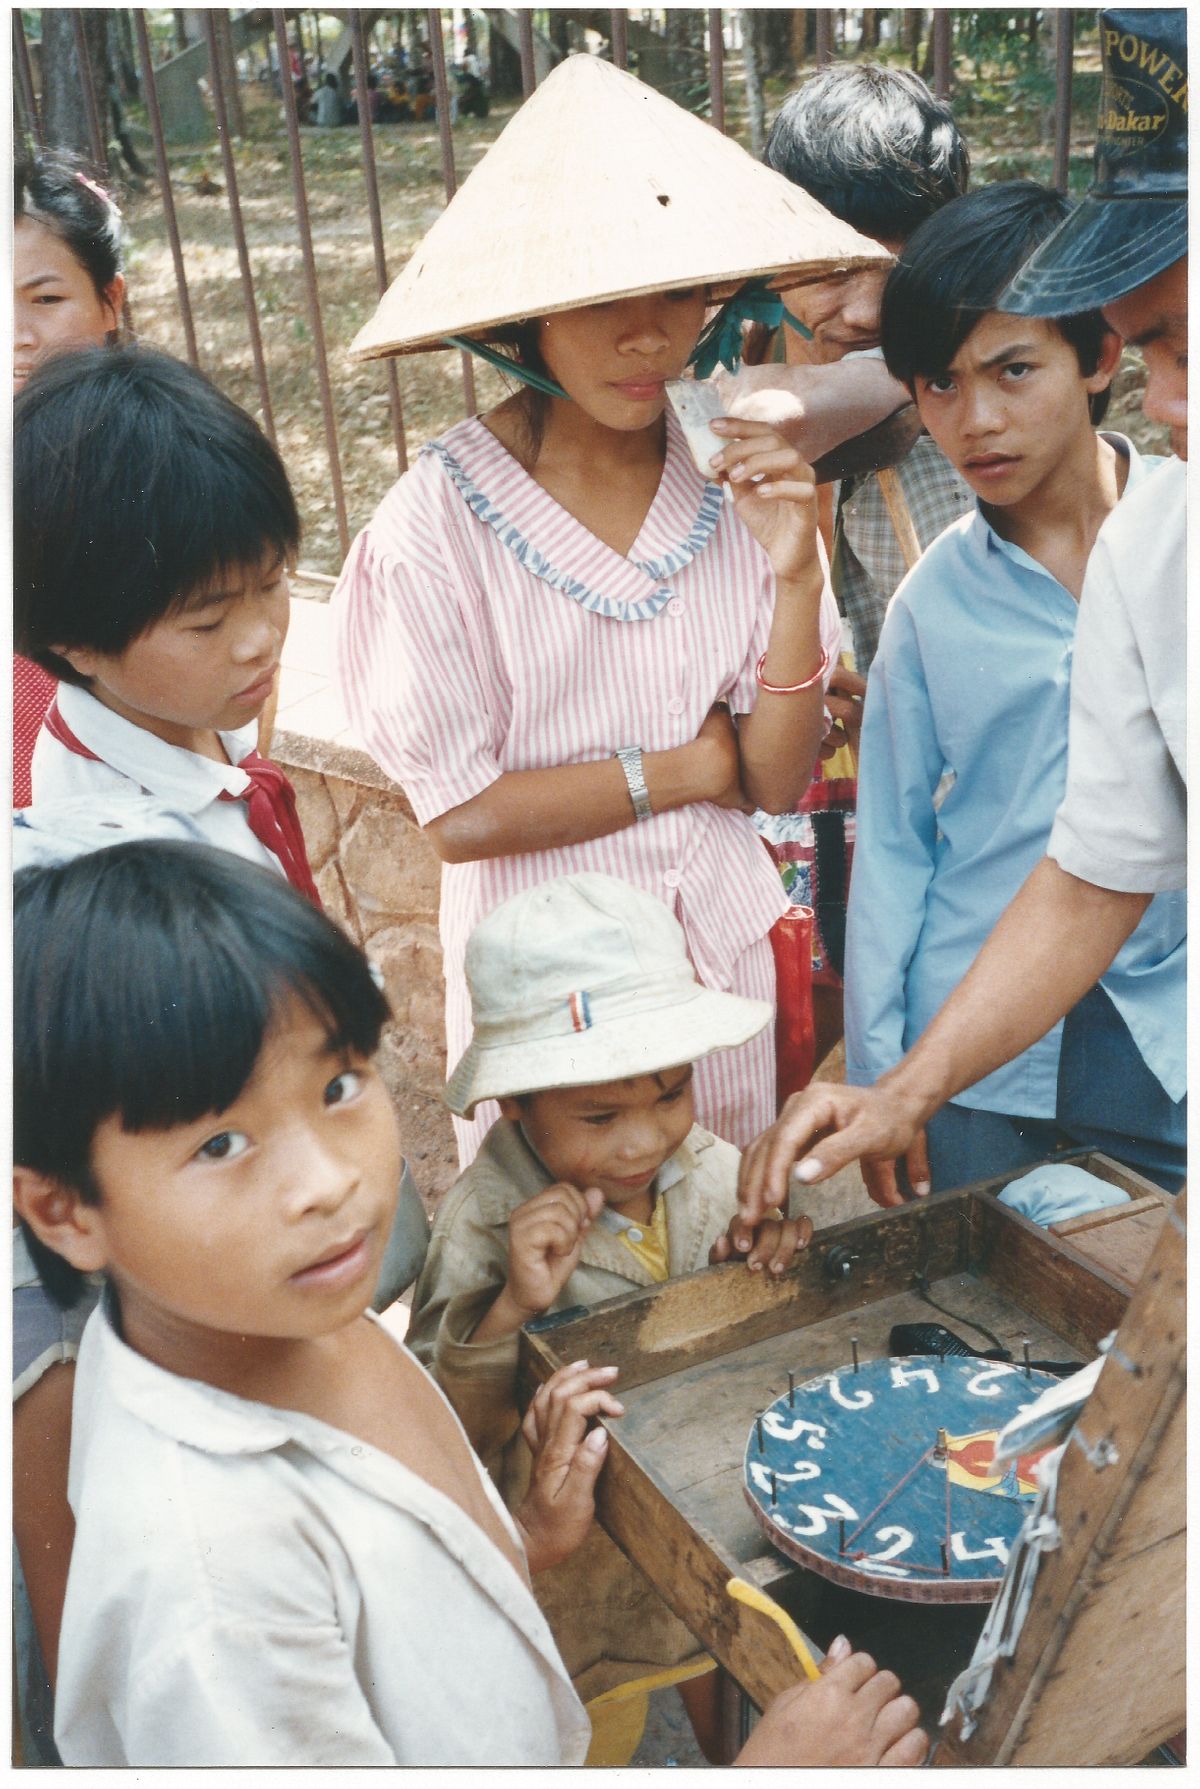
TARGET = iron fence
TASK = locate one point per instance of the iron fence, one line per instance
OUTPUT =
(221, 74)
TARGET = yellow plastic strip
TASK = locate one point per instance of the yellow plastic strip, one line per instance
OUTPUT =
(754, 1598)
(658, 1680)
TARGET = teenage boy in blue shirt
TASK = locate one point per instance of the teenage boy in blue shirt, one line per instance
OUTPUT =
(964, 744)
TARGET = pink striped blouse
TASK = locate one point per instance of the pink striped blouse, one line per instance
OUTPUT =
(481, 629)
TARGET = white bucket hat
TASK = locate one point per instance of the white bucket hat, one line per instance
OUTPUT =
(581, 980)
(599, 188)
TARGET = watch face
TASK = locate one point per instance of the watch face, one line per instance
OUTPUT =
(881, 1479)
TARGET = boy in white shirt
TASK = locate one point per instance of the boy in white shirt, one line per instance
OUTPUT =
(286, 1552)
(153, 529)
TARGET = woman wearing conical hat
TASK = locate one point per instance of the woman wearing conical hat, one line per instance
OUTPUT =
(556, 633)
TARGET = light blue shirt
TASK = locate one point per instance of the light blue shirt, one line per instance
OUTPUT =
(968, 701)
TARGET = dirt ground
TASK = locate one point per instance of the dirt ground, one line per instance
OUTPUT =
(411, 195)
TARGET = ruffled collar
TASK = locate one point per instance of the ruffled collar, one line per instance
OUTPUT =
(553, 546)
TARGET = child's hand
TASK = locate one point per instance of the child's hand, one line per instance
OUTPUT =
(545, 1239)
(772, 1243)
(844, 700)
(556, 1511)
(854, 1714)
(781, 509)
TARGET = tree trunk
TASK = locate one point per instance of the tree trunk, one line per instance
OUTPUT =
(914, 19)
(1047, 38)
(505, 64)
(64, 108)
(181, 37)
(870, 29)
(927, 62)
(801, 20)
(229, 74)
(120, 52)
(775, 35)
(749, 17)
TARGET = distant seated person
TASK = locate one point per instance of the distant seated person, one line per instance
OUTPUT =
(327, 106)
(472, 94)
(374, 101)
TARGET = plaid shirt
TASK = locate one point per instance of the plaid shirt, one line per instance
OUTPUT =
(867, 560)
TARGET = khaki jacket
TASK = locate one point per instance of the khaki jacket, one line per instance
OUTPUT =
(609, 1624)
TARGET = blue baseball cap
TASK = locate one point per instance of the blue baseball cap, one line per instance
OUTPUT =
(1132, 222)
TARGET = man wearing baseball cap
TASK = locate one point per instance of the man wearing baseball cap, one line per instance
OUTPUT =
(1120, 833)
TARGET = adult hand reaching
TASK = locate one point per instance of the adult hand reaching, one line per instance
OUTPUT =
(821, 1130)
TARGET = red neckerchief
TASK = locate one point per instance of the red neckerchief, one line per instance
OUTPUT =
(33, 692)
(270, 805)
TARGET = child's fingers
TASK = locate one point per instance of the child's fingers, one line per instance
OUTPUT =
(794, 1234)
(721, 1250)
(776, 1243)
(577, 1373)
(852, 1671)
(878, 1690)
(895, 1719)
(839, 1649)
(908, 1753)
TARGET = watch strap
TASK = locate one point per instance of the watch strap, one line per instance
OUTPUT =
(630, 760)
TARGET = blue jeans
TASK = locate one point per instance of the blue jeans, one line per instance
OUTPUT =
(1107, 1100)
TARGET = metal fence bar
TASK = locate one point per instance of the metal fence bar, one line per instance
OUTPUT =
(95, 134)
(235, 213)
(358, 49)
(620, 37)
(1064, 57)
(154, 115)
(315, 322)
(442, 91)
(229, 71)
(941, 51)
(528, 65)
(25, 77)
(824, 36)
(716, 69)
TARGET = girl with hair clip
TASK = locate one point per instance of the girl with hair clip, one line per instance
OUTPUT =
(68, 292)
(556, 633)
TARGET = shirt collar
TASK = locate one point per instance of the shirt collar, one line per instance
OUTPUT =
(988, 539)
(179, 778)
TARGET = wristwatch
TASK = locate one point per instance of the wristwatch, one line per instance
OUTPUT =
(630, 760)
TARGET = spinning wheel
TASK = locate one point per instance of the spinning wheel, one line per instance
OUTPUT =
(879, 1477)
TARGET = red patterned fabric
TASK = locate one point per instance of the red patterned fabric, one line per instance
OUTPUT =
(33, 692)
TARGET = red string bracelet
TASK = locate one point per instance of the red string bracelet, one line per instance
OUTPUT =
(789, 689)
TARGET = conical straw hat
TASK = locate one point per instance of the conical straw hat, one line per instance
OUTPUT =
(599, 188)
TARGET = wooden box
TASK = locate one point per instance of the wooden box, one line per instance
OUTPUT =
(700, 1356)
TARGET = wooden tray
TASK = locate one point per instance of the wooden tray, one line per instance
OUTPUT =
(700, 1356)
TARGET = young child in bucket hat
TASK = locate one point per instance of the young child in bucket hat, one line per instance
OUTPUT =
(594, 1182)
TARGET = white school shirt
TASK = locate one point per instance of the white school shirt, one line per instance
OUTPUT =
(134, 763)
(1123, 819)
(250, 1586)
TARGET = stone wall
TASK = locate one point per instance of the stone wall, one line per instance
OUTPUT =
(379, 876)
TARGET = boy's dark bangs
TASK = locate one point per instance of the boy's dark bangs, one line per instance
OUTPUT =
(237, 515)
(147, 979)
(954, 268)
